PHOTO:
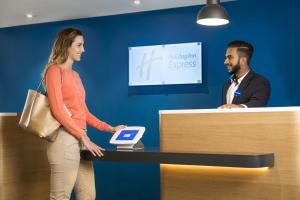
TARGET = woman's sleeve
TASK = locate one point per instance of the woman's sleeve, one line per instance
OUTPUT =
(94, 121)
(54, 93)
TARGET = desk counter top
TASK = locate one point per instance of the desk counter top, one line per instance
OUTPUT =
(245, 160)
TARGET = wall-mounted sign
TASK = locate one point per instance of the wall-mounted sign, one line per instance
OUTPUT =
(165, 64)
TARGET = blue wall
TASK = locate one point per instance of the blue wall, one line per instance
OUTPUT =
(271, 26)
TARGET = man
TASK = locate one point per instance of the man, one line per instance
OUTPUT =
(246, 88)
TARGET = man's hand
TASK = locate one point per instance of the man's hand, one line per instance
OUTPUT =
(228, 106)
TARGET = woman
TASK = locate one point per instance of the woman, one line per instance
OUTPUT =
(66, 96)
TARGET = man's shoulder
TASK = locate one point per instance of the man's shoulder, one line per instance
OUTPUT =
(258, 77)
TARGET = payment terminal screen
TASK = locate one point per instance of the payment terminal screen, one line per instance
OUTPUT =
(127, 135)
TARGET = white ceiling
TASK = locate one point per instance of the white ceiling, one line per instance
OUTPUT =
(12, 12)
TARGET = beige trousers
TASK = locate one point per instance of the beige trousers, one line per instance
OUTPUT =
(68, 171)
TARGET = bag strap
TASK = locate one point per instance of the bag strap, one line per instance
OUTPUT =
(44, 77)
(38, 91)
(65, 107)
(40, 83)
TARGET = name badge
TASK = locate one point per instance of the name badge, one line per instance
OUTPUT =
(237, 93)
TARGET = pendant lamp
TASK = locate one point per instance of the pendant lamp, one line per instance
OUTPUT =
(212, 14)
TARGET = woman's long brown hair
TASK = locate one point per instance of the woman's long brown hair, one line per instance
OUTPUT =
(59, 52)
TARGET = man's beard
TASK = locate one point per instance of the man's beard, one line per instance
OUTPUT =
(235, 69)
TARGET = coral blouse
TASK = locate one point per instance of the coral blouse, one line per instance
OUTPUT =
(66, 96)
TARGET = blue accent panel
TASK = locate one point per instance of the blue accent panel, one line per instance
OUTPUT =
(273, 29)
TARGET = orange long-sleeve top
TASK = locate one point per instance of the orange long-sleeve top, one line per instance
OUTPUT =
(65, 89)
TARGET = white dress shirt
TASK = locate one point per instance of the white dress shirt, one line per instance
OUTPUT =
(232, 89)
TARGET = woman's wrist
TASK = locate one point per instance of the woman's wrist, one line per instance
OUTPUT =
(112, 129)
(82, 135)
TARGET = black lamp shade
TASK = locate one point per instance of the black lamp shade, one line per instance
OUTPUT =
(212, 15)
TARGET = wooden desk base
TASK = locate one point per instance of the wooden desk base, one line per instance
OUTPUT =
(24, 169)
(271, 131)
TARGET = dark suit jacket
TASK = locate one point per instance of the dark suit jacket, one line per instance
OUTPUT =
(254, 91)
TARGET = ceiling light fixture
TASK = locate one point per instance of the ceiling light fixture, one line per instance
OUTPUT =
(212, 14)
(29, 16)
(137, 2)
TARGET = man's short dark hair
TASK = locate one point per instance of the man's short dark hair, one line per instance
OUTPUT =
(244, 49)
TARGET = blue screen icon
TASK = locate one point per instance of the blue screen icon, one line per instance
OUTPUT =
(127, 135)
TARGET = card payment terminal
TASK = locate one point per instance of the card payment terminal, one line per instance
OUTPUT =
(128, 138)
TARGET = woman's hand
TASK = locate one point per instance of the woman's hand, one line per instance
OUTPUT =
(92, 147)
(117, 128)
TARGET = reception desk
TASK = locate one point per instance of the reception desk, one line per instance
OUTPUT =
(24, 170)
(194, 145)
(255, 130)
